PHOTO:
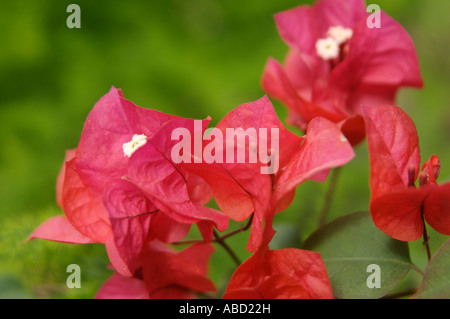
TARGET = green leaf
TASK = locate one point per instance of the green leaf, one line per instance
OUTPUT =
(436, 281)
(287, 235)
(348, 246)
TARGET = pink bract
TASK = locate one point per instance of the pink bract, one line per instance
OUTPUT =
(107, 197)
(373, 64)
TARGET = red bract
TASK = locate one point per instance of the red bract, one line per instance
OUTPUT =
(121, 177)
(164, 274)
(288, 273)
(121, 287)
(241, 189)
(399, 208)
(280, 274)
(337, 63)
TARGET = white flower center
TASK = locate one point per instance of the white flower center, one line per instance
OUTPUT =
(132, 146)
(327, 48)
(340, 34)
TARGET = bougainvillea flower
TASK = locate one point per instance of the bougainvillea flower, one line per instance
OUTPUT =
(165, 274)
(105, 201)
(398, 207)
(337, 62)
(240, 189)
(287, 273)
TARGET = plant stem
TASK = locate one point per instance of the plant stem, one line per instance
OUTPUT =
(221, 240)
(239, 230)
(228, 249)
(425, 236)
(225, 236)
(329, 196)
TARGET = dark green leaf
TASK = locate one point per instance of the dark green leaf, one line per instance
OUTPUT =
(349, 246)
(436, 281)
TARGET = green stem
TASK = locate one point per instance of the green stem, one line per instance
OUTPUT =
(329, 196)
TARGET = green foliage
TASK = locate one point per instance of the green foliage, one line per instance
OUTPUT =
(349, 245)
(436, 281)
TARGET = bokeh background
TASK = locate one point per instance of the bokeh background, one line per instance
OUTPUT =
(190, 58)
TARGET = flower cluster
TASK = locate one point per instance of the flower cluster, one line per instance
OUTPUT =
(336, 64)
(122, 188)
(130, 185)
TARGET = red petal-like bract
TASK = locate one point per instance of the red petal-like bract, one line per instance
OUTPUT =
(288, 273)
(121, 287)
(398, 208)
(324, 148)
(165, 274)
(183, 271)
(84, 208)
(393, 148)
(373, 64)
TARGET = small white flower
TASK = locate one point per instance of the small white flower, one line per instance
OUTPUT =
(327, 48)
(340, 34)
(132, 146)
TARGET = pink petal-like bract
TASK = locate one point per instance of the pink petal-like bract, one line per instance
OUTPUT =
(185, 270)
(130, 214)
(58, 228)
(164, 182)
(372, 64)
(324, 148)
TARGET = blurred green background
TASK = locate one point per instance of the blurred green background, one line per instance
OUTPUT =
(190, 58)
